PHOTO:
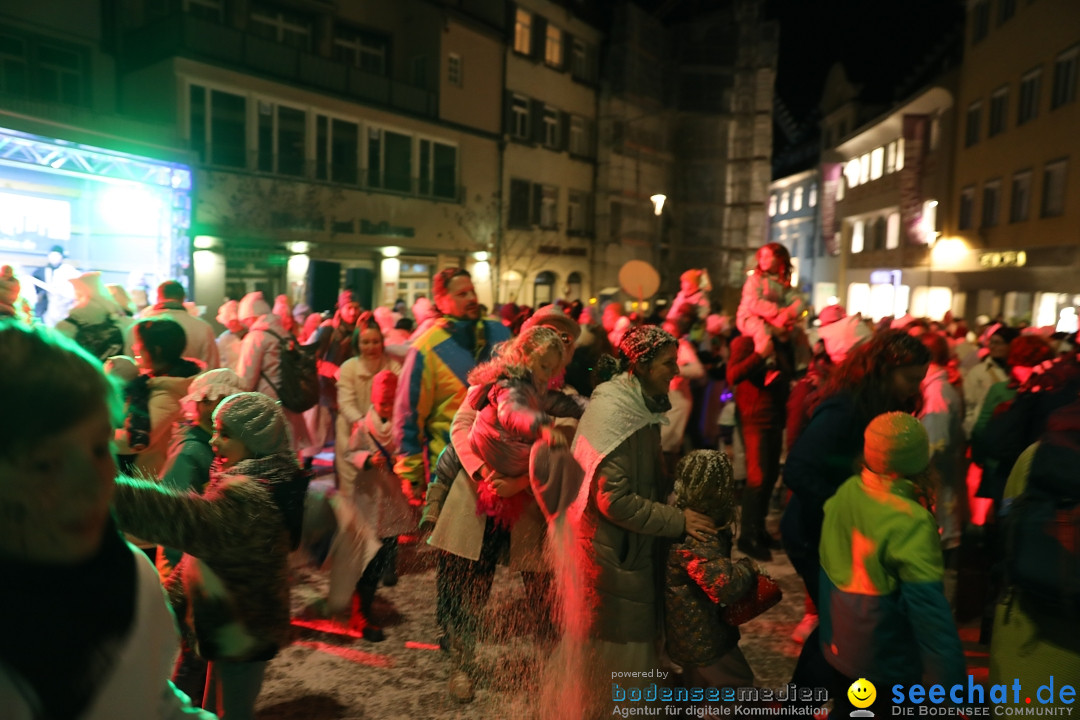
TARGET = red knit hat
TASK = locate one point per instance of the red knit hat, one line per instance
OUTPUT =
(896, 444)
(383, 386)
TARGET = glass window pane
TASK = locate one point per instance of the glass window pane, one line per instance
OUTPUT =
(445, 170)
(266, 137)
(344, 152)
(425, 167)
(228, 129)
(398, 150)
(375, 158)
(291, 141)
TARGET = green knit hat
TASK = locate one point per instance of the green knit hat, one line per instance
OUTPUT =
(896, 444)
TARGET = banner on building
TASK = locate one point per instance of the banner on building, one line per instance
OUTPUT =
(830, 186)
(915, 133)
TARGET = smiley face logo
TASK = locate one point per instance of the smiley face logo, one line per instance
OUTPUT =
(862, 693)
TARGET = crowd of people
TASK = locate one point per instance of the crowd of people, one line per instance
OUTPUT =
(895, 453)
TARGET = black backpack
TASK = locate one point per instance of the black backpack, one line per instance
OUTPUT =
(1042, 532)
(298, 389)
(102, 340)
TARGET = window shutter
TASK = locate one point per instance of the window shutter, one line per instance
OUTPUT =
(519, 203)
(592, 63)
(567, 50)
(537, 120)
(564, 131)
(508, 112)
(590, 137)
(538, 200)
(539, 31)
(511, 23)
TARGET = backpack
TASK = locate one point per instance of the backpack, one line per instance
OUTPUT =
(102, 340)
(1042, 532)
(299, 381)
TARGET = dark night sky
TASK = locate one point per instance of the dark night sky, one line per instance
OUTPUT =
(879, 42)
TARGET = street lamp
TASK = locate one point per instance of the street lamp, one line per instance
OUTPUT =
(658, 203)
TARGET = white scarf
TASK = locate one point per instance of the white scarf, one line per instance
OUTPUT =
(381, 431)
(616, 411)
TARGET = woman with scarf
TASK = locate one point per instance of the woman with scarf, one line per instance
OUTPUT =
(622, 512)
(86, 630)
(231, 587)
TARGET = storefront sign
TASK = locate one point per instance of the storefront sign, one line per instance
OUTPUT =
(384, 229)
(915, 132)
(1008, 258)
(830, 183)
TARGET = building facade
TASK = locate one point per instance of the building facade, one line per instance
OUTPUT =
(336, 146)
(1014, 225)
(545, 247)
(114, 193)
(794, 223)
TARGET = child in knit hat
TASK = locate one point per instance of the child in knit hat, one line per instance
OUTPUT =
(884, 616)
(769, 304)
(701, 575)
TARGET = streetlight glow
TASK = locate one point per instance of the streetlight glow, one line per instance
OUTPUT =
(658, 203)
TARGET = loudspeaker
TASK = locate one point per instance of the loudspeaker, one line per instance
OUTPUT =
(362, 282)
(322, 282)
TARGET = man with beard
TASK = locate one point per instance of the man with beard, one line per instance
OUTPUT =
(433, 378)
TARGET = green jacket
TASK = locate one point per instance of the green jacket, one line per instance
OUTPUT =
(883, 610)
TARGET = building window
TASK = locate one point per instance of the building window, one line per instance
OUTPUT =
(812, 202)
(890, 158)
(205, 9)
(971, 129)
(1029, 96)
(772, 205)
(579, 60)
(1065, 73)
(991, 202)
(281, 139)
(892, 231)
(573, 286)
(796, 199)
(228, 129)
(577, 212)
(366, 51)
(857, 239)
(520, 195)
(980, 20)
(1053, 200)
(864, 168)
(1020, 200)
(877, 162)
(453, 70)
(543, 287)
(551, 127)
(878, 232)
(579, 136)
(851, 171)
(438, 169)
(553, 49)
(519, 117)
(389, 160)
(282, 26)
(59, 75)
(900, 154)
(549, 207)
(1006, 9)
(785, 202)
(523, 32)
(999, 110)
(967, 208)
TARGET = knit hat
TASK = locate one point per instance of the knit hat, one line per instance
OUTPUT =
(214, 385)
(255, 420)
(830, 314)
(642, 343)
(383, 386)
(228, 312)
(252, 305)
(282, 308)
(842, 335)
(346, 297)
(896, 444)
(553, 317)
(9, 286)
(692, 275)
(705, 483)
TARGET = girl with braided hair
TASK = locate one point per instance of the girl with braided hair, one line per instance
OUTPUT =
(882, 375)
(621, 509)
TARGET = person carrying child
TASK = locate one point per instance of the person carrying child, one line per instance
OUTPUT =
(769, 303)
(491, 511)
(700, 576)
